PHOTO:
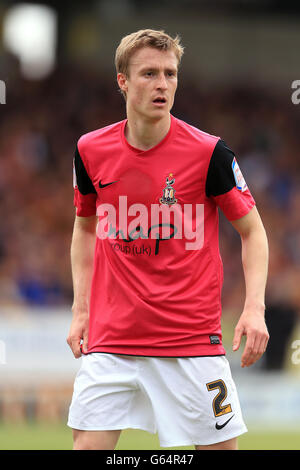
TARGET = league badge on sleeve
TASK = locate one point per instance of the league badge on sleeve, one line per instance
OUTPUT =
(74, 176)
(238, 176)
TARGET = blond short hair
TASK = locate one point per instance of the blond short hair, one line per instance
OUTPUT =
(145, 38)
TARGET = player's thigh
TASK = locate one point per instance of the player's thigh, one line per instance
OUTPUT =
(230, 444)
(95, 440)
(195, 400)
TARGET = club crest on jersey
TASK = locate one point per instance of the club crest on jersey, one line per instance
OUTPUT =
(238, 176)
(168, 196)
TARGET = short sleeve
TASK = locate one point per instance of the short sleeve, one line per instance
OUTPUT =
(85, 194)
(226, 185)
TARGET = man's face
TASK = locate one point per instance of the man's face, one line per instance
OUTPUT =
(151, 83)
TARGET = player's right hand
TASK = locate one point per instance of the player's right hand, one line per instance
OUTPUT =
(78, 334)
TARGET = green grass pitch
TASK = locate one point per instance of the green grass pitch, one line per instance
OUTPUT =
(59, 437)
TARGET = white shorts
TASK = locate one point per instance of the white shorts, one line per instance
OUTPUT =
(187, 401)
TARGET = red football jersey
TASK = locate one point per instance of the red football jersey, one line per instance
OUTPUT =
(156, 288)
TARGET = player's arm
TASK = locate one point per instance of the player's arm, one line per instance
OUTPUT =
(82, 253)
(82, 259)
(226, 186)
(255, 255)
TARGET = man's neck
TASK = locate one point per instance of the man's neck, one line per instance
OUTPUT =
(145, 134)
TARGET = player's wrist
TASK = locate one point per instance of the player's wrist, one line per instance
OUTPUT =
(80, 308)
(255, 305)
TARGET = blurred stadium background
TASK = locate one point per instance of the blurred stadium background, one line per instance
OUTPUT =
(58, 82)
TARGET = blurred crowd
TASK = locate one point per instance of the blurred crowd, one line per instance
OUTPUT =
(39, 128)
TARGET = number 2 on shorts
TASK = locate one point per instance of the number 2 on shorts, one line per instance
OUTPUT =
(218, 409)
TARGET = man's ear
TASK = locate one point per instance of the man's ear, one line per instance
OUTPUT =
(122, 82)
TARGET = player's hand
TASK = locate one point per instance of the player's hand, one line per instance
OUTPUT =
(252, 325)
(79, 333)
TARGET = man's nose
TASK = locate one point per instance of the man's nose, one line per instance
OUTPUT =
(162, 82)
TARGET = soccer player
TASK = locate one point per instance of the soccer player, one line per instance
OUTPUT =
(147, 272)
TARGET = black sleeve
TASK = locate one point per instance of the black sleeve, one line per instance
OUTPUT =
(220, 178)
(84, 182)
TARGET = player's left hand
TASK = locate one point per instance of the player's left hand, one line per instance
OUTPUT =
(252, 325)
